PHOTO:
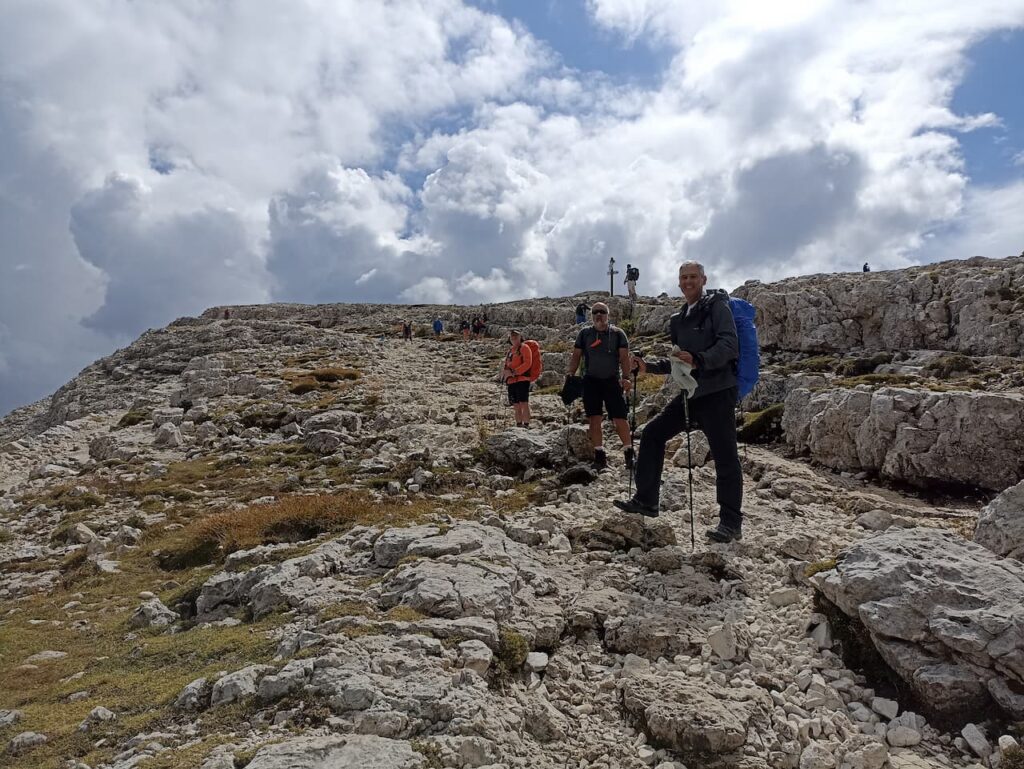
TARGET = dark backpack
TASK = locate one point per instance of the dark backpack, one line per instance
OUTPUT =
(581, 309)
(633, 273)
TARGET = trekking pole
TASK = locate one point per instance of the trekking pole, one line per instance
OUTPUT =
(632, 433)
(689, 467)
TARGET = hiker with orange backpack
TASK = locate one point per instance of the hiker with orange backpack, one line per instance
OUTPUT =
(604, 349)
(522, 367)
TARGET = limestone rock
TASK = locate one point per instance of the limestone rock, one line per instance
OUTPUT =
(1001, 523)
(947, 306)
(152, 613)
(944, 613)
(920, 437)
(168, 436)
(351, 751)
(24, 742)
(238, 685)
(699, 719)
(195, 695)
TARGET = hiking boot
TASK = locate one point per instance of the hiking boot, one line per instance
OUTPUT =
(629, 455)
(636, 506)
(600, 460)
(722, 533)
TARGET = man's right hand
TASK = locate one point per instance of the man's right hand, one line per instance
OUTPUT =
(638, 365)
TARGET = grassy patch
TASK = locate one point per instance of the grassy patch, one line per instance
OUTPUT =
(877, 380)
(762, 426)
(134, 675)
(648, 384)
(335, 374)
(183, 480)
(818, 364)
(5, 535)
(431, 753)
(557, 346)
(510, 655)
(67, 497)
(862, 366)
(818, 566)
(133, 417)
(947, 365)
(290, 519)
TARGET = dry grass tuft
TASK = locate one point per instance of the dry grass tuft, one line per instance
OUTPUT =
(290, 519)
(335, 374)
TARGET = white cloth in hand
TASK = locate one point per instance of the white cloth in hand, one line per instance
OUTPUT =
(681, 373)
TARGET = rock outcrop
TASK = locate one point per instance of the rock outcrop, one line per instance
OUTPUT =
(916, 436)
(1001, 523)
(944, 613)
(975, 306)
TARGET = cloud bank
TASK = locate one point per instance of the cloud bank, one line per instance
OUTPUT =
(159, 159)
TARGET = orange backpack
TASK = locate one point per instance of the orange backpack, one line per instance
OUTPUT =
(538, 364)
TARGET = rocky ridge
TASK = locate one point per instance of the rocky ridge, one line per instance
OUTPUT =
(280, 540)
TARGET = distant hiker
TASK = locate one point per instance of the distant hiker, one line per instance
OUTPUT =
(516, 375)
(438, 327)
(227, 314)
(705, 334)
(406, 331)
(464, 328)
(865, 268)
(604, 350)
(632, 276)
(478, 327)
(581, 313)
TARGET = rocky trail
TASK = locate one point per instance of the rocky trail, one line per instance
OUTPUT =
(289, 540)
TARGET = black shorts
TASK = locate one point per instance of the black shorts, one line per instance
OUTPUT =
(603, 392)
(519, 392)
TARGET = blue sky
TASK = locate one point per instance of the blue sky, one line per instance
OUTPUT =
(160, 158)
(994, 83)
(582, 44)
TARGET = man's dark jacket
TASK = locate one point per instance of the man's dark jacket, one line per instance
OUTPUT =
(708, 333)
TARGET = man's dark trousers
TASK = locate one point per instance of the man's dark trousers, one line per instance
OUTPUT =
(715, 415)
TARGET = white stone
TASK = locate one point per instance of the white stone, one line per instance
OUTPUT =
(976, 741)
(888, 709)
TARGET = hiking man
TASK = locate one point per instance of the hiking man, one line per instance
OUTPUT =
(464, 328)
(604, 349)
(705, 335)
(515, 375)
(406, 331)
(581, 313)
(632, 276)
(866, 268)
(438, 327)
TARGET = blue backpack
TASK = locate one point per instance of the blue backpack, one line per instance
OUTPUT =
(748, 366)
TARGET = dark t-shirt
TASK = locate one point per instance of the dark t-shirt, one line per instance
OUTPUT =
(601, 350)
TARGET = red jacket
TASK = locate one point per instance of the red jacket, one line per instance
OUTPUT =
(519, 360)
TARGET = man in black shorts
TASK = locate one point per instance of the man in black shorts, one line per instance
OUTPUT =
(604, 349)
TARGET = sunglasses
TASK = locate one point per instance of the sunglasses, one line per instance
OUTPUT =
(599, 312)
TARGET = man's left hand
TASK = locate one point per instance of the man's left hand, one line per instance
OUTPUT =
(626, 385)
(685, 357)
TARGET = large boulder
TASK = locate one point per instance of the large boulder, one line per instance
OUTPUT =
(698, 718)
(350, 751)
(944, 613)
(920, 437)
(1001, 523)
(518, 449)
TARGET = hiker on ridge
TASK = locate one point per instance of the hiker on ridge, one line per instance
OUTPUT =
(705, 334)
(438, 327)
(515, 375)
(604, 349)
(581, 313)
(632, 276)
